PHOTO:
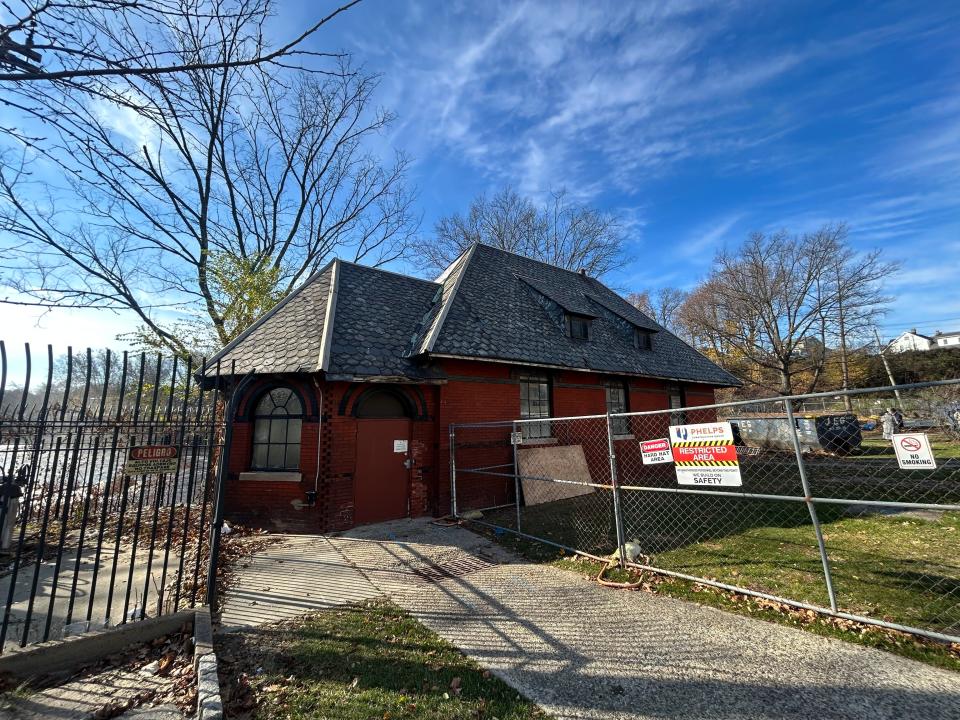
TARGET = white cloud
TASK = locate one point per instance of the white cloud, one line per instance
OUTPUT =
(705, 241)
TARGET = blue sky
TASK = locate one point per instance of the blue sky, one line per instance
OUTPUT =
(697, 122)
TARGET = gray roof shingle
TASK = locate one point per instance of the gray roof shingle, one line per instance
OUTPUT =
(490, 304)
(376, 316)
(285, 339)
(494, 315)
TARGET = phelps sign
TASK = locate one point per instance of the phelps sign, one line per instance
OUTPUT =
(704, 454)
(152, 460)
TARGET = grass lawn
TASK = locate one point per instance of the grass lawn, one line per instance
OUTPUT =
(900, 567)
(943, 445)
(355, 663)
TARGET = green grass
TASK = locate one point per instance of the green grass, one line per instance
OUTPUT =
(944, 446)
(365, 661)
(899, 568)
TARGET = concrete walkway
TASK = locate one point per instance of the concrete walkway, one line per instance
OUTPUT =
(300, 574)
(584, 651)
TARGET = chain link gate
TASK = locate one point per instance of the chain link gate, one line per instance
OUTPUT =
(109, 468)
(824, 519)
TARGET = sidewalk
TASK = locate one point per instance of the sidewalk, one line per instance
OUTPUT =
(584, 651)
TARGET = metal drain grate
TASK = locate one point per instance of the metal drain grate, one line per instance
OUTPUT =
(453, 569)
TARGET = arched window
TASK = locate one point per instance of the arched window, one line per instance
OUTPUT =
(277, 420)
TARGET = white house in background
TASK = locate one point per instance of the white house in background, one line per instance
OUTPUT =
(910, 340)
(947, 339)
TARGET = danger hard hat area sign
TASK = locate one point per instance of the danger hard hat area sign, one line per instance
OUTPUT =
(704, 454)
(655, 452)
(914, 452)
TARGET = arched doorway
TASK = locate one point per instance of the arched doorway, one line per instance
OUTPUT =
(382, 475)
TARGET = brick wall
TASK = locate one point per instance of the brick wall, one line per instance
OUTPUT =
(279, 505)
(474, 392)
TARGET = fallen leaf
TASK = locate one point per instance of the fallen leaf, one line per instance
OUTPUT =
(166, 663)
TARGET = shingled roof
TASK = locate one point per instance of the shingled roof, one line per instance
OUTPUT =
(356, 322)
(509, 307)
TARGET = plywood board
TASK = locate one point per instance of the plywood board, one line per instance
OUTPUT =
(561, 462)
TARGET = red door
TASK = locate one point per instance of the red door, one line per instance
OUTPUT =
(380, 481)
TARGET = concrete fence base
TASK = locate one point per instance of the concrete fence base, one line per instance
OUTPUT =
(64, 657)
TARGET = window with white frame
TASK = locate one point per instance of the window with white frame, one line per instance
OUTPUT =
(534, 403)
(277, 422)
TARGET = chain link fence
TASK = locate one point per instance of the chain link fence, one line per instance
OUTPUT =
(813, 509)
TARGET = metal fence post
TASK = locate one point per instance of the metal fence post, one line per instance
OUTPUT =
(453, 472)
(220, 493)
(808, 498)
(516, 471)
(617, 516)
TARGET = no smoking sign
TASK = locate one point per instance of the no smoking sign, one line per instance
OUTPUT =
(910, 444)
(913, 452)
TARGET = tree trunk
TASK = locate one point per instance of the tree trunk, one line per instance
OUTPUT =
(786, 384)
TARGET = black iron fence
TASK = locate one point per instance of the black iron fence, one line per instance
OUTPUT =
(108, 479)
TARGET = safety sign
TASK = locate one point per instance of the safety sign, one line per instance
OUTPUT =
(656, 451)
(704, 454)
(914, 452)
(151, 459)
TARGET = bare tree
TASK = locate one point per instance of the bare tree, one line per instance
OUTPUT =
(560, 232)
(57, 41)
(663, 307)
(855, 279)
(197, 199)
(767, 303)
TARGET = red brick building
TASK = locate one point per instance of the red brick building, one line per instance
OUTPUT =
(359, 373)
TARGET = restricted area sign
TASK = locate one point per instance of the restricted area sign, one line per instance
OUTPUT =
(914, 452)
(151, 459)
(704, 454)
(656, 451)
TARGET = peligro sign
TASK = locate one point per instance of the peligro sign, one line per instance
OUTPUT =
(153, 452)
(152, 460)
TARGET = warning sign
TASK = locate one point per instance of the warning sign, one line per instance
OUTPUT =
(656, 451)
(151, 459)
(914, 452)
(704, 454)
